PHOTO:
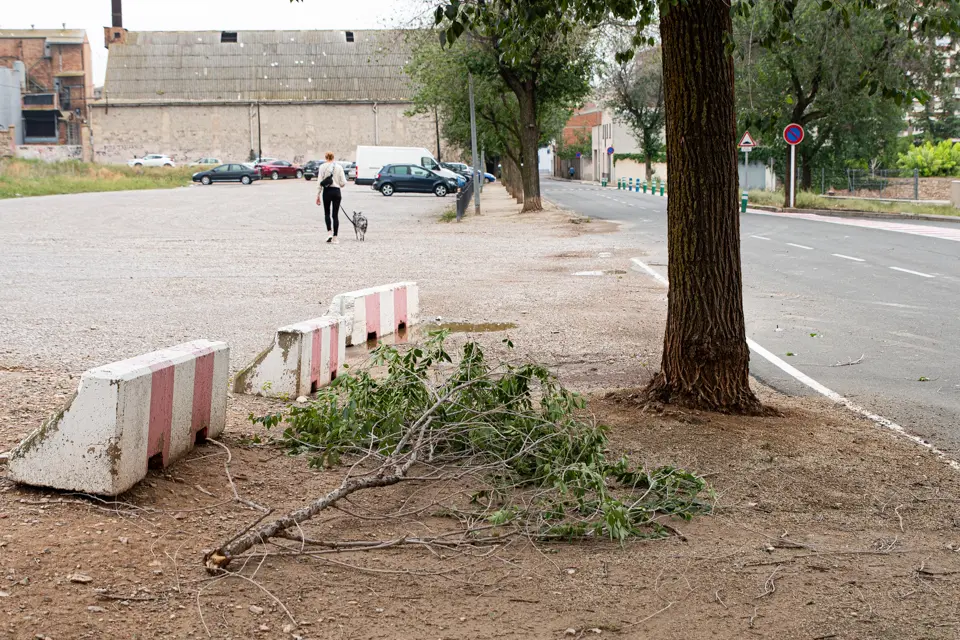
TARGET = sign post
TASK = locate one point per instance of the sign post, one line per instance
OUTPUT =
(747, 143)
(793, 135)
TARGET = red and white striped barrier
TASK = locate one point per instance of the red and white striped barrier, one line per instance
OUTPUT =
(303, 357)
(378, 311)
(126, 416)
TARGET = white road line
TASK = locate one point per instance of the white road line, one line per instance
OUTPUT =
(840, 255)
(650, 270)
(800, 246)
(759, 237)
(943, 233)
(916, 273)
(821, 389)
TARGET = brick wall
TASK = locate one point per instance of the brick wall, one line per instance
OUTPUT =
(7, 142)
(580, 123)
(65, 57)
(296, 132)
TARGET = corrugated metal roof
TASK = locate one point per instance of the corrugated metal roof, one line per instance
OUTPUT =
(56, 36)
(175, 66)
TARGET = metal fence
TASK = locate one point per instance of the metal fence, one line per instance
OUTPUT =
(887, 184)
(464, 196)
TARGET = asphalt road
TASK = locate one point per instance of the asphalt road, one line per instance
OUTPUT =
(869, 308)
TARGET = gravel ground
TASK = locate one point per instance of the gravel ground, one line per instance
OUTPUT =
(94, 278)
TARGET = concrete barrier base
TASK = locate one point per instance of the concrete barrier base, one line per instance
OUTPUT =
(127, 416)
(303, 357)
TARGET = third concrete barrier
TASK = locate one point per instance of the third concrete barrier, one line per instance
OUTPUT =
(378, 311)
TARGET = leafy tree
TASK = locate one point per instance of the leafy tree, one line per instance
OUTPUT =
(438, 76)
(540, 66)
(633, 89)
(705, 357)
(814, 78)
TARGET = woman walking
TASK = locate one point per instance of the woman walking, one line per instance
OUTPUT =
(331, 180)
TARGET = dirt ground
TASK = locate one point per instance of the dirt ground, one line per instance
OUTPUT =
(824, 526)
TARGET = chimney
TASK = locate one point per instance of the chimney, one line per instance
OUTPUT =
(115, 34)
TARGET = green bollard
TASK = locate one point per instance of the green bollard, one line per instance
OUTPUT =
(644, 186)
(662, 185)
(743, 203)
(603, 182)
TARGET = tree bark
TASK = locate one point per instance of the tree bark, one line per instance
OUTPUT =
(649, 164)
(705, 355)
(530, 147)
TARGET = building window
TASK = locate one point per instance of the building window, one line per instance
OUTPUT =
(349, 36)
(228, 36)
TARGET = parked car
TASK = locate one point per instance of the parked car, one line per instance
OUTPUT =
(310, 169)
(256, 161)
(227, 173)
(371, 160)
(279, 169)
(349, 169)
(206, 162)
(411, 178)
(457, 167)
(151, 160)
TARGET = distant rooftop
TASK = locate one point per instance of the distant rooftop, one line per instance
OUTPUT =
(247, 66)
(55, 36)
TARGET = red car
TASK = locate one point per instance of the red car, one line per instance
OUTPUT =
(277, 169)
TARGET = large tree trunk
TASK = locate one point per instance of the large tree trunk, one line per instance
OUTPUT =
(649, 164)
(806, 173)
(529, 141)
(511, 173)
(705, 356)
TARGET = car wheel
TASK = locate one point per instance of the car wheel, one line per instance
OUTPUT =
(299, 173)
(138, 164)
(440, 191)
(246, 180)
(274, 175)
(205, 180)
(167, 165)
(387, 190)
(308, 178)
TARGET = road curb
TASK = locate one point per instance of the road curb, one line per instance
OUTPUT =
(860, 214)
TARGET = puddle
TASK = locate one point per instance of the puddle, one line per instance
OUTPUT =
(469, 327)
(404, 335)
(608, 272)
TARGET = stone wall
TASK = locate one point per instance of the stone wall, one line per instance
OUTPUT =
(7, 141)
(49, 152)
(294, 132)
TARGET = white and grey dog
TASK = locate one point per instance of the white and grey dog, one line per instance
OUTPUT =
(359, 222)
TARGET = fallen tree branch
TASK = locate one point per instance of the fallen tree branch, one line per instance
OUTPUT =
(849, 363)
(220, 558)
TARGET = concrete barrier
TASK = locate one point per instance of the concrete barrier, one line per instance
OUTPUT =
(128, 416)
(379, 311)
(302, 358)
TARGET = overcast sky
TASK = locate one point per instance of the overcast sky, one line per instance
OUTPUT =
(189, 15)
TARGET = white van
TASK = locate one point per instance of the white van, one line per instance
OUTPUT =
(371, 159)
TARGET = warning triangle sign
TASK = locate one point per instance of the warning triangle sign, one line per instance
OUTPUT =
(747, 141)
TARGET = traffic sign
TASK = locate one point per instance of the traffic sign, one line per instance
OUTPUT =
(578, 154)
(610, 151)
(747, 141)
(793, 134)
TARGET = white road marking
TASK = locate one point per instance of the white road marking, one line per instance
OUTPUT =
(916, 273)
(800, 246)
(898, 227)
(588, 273)
(821, 389)
(650, 270)
(759, 237)
(840, 255)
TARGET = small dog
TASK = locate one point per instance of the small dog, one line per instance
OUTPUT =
(359, 222)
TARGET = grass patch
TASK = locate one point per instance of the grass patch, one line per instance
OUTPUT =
(449, 215)
(807, 200)
(21, 178)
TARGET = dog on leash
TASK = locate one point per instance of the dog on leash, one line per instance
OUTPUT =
(359, 222)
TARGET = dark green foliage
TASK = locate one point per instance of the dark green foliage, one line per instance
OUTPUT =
(544, 467)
